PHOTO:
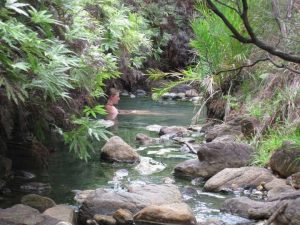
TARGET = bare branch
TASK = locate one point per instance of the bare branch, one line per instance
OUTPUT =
(228, 6)
(242, 67)
(253, 38)
(239, 69)
(236, 34)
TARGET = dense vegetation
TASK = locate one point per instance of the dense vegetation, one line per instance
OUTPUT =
(62, 55)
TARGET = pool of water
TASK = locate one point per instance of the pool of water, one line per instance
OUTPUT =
(67, 173)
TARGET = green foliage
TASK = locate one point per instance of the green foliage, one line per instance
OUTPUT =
(213, 41)
(39, 63)
(97, 110)
(272, 141)
(81, 139)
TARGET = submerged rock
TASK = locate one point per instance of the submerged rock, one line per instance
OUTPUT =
(190, 168)
(143, 139)
(175, 214)
(173, 130)
(36, 187)
(155, 128)
(38, 202)
(116, 150)
(24, 175)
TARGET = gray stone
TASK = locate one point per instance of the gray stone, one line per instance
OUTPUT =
(290, 215)
(222, 130)
(143, 139)
(106, 202)
(285, 161)
(173, 130)
(294, 180)
(236, 178)
(224, 138)
(248, 208)
(191, 168)
(24, 215)
(216, 156)
(63, 213)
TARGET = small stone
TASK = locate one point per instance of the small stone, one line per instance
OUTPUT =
(36, 187)
(105, 220)
(123, 217)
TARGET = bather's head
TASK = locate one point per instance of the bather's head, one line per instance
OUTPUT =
(114, 96)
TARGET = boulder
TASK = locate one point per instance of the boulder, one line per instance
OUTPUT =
(63, 213)
(173, 130)
(175, 214)
(248, 208)
(24, 215)
(294, 180)
(116, 150)
(123, 217)
(106, 202)
(143, 139)
(236, 178)
(290, 215)
(228, 138)
(38, 202)
(216, 156)
(249, 125)
(222, 130)
(277, 188)
(285, 161)
(191, 168)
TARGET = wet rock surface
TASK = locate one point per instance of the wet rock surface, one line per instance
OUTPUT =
(176, 214)
(116, 150)
(37, 202)
(63, 213)
(22, 214)
(235, 178)
(106, 202)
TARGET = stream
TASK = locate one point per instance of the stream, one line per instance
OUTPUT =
(66, 173)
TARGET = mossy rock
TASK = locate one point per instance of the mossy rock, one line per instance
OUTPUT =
(38, 202)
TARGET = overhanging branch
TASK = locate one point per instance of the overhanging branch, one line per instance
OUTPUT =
(252, 36)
